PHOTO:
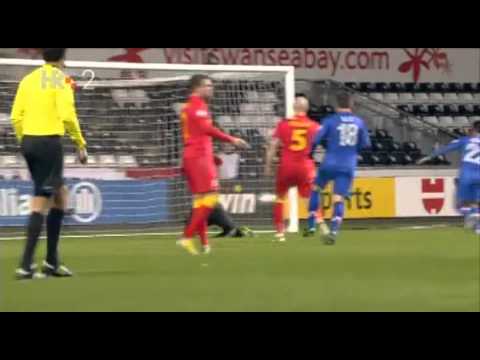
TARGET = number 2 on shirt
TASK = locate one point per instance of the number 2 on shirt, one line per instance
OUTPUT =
(472, 154)
(299, 140)
(348, 134)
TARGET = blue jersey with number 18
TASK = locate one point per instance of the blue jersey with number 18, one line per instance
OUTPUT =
(469, 146)
(346, 134)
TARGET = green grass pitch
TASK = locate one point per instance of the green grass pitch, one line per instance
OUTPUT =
(368, 270)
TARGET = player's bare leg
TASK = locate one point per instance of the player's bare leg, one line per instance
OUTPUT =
(278, 219)
(325, 230)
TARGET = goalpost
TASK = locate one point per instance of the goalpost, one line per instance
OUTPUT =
(129, 115)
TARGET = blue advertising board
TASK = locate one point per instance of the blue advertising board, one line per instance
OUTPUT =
(94, 202)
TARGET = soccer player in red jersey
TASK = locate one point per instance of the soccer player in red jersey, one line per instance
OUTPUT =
(198, 159)
(296, 168)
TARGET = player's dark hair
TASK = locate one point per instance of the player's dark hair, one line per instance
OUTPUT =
(53, 54)
(344, 100)
(476, 126)
(197, 80)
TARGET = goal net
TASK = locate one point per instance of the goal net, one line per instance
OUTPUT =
(129, 115)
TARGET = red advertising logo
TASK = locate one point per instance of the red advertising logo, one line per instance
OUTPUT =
(131, 55)
(428, 58)
(433, 195)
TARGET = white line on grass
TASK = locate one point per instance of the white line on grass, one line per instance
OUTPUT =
(117, 235)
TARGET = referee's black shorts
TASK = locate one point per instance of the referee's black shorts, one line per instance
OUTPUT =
(44, 157)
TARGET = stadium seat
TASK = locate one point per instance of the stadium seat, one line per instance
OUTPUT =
(377, 96)
(375, 160)
(405, 108)
(391, 98)
(445, 121)
(382, 87)
(382, 134)
(474, 118)
(431, 120)
(252, 96)
(450, 97)
(440, 87)
(470, 88)
(353, 85)
(466, 110)
(397, 87)
(406, 98)
(383, 158)
(435, 110)
(267, 108)
(367, 158)
(465, 98)
(420, 110)
(461, 121)
(268, 96)
(411, 87)
(378, 145)
(436, 98)
(455, 87)
(421, 98)
(248, 108)
(426, 87)
(225, 120)
(451, 110)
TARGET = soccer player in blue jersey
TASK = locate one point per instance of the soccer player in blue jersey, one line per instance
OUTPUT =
(345, 135)
(468, 189)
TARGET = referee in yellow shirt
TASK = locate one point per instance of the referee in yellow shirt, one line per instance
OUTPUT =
(43, 110)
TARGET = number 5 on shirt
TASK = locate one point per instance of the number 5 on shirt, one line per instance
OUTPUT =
(299, 140)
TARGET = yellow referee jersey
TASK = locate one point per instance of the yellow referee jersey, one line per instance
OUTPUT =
(45, 105)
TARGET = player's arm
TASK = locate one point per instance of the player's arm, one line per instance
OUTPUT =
(272, 149)
(364, 139)
(207, 128)
(18, 111)
(321, 136)
(68, 114)
(455, 145)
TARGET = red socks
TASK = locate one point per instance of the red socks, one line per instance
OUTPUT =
(278, 217)
(198, 224)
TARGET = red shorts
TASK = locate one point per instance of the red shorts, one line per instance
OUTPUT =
(201, 175)
(301, 175)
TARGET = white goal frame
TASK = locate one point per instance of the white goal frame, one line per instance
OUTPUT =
(287, 71)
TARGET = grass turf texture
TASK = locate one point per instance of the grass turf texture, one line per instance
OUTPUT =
(370, 270)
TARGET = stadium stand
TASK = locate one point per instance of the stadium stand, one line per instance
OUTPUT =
(131, 118)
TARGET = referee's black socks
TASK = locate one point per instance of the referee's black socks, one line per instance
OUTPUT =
(54, 225)
(34, 229)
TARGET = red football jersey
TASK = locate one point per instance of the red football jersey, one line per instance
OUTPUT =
(296, 136)
(198, 130)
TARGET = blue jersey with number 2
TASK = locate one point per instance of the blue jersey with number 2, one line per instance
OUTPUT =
(469, 146)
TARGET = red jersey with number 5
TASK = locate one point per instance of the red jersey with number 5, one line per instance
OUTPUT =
(296, 136)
